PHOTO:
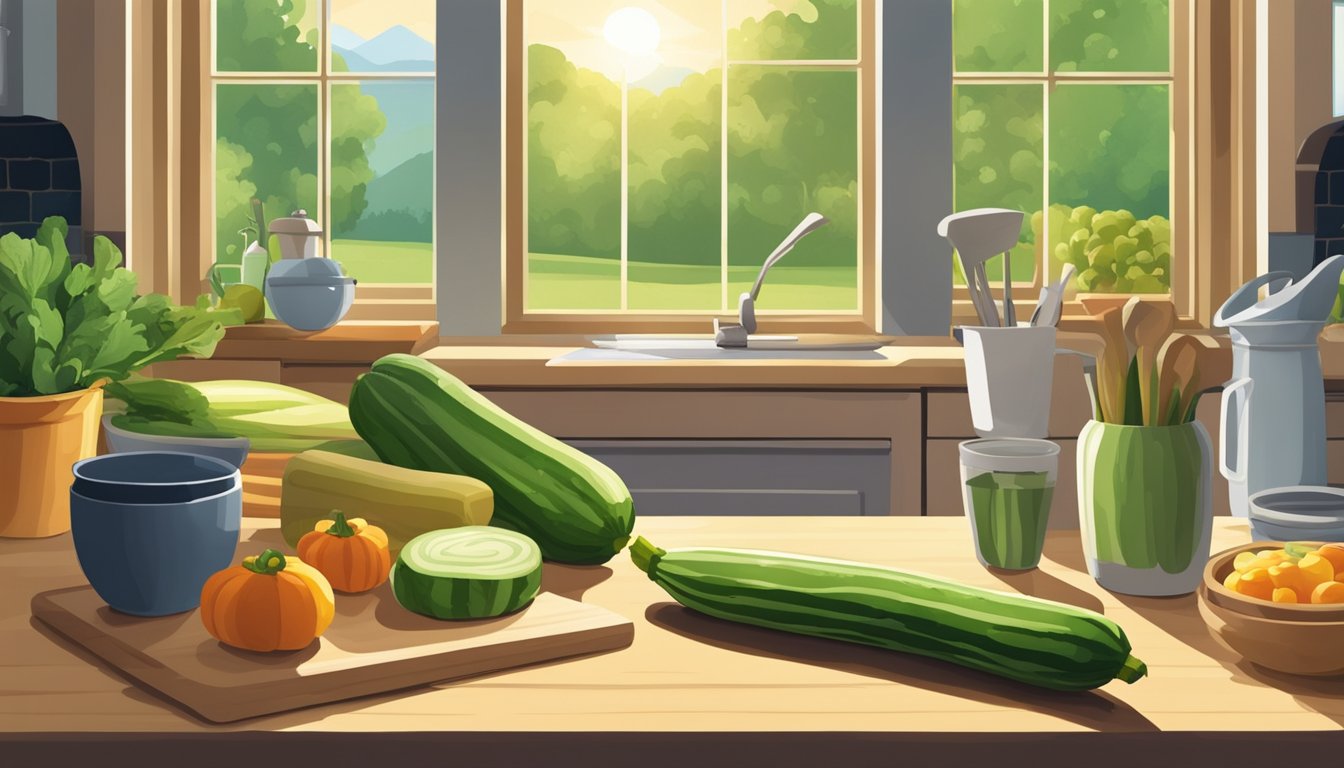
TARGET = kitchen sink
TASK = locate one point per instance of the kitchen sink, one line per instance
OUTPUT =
(632, 347)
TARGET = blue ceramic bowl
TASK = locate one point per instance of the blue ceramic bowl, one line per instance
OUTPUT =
(1298, 513)
(231, 449)
(310, 307)
(150, 558)
(152, 477)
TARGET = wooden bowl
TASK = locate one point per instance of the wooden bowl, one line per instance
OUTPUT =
(1297, 639)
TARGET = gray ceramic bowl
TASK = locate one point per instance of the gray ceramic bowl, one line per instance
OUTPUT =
(1298, 513)
(231, 449)
(309, 294)
(149, 552)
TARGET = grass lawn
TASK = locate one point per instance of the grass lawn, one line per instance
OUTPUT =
(375, 261)
(583, 282)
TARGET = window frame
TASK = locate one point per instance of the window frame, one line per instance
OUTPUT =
(517, 319)
(375, 301)
(1179, 158)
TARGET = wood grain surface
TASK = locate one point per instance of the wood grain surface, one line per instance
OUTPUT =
(373, 646)
(733, 685)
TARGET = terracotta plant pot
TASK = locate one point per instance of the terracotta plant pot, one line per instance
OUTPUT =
(40, 439)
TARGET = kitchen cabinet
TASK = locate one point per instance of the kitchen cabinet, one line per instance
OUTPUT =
(751, 477)
(743, 453)
(692, 690)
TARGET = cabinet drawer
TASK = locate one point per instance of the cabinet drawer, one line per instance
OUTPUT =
(750, 477)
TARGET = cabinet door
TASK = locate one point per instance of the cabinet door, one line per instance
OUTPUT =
(792, 451)
(751, 477)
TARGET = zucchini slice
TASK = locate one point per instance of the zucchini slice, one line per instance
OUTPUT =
(473, 572)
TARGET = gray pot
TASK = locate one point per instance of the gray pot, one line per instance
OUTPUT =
(309, 294)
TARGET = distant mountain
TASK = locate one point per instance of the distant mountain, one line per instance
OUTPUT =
(356, 63)
(408, 187)
(342, 37)
(396, 44)
(663, 78)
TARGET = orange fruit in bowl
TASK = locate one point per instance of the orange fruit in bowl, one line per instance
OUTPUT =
(1290, 576)
(1328, 592)
(1316, 569)
(1256, 583)
(1335, 554)
(1284, 595)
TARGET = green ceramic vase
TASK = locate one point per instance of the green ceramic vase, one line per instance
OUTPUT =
(1145, 508)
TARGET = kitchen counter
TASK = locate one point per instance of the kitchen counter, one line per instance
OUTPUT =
(700, 690)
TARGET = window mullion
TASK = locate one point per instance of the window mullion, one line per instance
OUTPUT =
(324, 126)
(723, 159)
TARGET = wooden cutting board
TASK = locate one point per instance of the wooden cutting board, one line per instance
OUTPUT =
(373, 646)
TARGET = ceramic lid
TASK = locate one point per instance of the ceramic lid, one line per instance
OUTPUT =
(297, 223)
(307, 272)
(1299, 506)
(1310, 298)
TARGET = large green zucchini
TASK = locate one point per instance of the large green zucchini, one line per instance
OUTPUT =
(1034, 641)
(413, 414)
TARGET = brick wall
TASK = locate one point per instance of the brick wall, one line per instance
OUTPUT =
(39, 177)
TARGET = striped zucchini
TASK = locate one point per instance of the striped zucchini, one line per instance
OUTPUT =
(473, 572)
(415, 415)
(1027, 639)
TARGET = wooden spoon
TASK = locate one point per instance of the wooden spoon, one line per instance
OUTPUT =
(1113, 365)
(1206, 375)
(1176, 366)
(1147, 325)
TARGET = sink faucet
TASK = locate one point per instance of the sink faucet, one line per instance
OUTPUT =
(737, 335)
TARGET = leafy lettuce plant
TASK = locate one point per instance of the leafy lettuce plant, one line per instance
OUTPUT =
(66, 327)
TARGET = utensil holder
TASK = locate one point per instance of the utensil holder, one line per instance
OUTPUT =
(1009, 373)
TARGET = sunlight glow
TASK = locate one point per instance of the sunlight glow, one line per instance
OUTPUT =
(632, 30)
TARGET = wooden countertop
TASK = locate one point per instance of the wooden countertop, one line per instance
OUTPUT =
(691, 687)
(519, 361)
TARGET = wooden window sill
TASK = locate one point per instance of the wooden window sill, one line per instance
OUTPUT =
(350, 342)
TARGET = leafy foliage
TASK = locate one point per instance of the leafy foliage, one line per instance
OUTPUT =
(66, 327)
(1109, 143)
(792, 148)
(267, 133)
(1112, 251)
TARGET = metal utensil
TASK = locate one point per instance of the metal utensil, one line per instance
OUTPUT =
(736, 335)
(1009, 310)
(1054, 296)
(979, 235)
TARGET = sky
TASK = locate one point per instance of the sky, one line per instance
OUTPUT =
(370, 17)
(691, 30)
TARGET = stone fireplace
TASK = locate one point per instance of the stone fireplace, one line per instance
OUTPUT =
(39, 177)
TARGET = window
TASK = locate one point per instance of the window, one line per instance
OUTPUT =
(328, 106)
(1337, 57)
(667, 148)
(1064, 109)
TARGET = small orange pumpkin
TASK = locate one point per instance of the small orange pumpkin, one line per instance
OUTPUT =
(267, 603)
(352, 554)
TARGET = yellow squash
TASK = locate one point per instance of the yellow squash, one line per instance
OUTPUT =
(403, 502)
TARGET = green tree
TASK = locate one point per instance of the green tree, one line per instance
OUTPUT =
(574, 158)
(267, 134)
(792, 148)
(1109, 143)
(824, 29)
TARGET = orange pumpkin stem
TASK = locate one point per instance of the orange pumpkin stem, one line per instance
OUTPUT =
(340, 527)
(268, 563)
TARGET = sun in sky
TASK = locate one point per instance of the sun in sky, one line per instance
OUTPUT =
(633, 30)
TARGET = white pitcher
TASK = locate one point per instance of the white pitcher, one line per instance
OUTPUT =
(1276, 437)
